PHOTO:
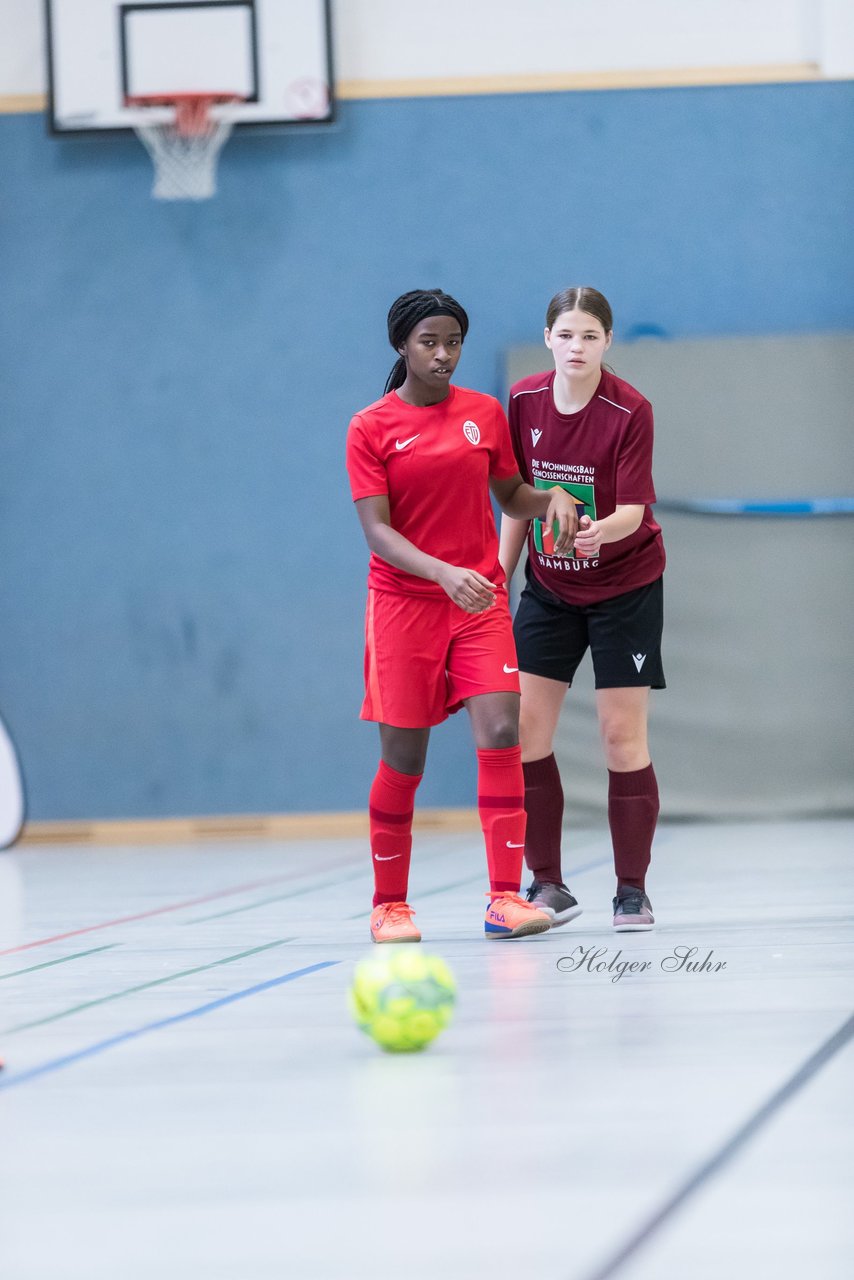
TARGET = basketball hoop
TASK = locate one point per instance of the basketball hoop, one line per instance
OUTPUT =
(184, 146)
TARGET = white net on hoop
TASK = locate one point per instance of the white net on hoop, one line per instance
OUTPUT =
(185, 149)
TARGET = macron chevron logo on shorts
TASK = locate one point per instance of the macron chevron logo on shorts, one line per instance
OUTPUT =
(638, 659)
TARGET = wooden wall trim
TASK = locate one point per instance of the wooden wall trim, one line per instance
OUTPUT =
(270, 826)
(564, 82)
(671, 77)
(22, 103)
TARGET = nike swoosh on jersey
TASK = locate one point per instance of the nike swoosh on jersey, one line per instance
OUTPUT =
(401, 444)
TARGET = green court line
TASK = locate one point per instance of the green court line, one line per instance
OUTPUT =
(281, 897)
(48, 964)
(296, 893)
(143, 986)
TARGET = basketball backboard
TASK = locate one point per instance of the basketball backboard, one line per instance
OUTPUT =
(274, 56)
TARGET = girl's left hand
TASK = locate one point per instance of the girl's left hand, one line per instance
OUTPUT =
(589, 538)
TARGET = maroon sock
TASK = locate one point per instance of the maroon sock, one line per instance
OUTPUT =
(632, 815)
(544, 807)
(391, 805)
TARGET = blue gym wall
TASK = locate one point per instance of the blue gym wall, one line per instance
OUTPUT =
(182, 576)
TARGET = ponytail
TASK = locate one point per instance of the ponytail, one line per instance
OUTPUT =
(397, 377)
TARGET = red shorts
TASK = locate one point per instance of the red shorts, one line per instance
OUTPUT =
(424, 655)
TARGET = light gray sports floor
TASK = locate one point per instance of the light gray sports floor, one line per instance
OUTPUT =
(185, 1095)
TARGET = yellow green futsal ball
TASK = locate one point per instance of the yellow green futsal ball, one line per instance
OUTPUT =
(402, 997)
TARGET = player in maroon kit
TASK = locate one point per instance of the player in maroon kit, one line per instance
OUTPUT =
(422, 461)
(579, 426)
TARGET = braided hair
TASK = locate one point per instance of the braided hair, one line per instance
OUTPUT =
(409, 310)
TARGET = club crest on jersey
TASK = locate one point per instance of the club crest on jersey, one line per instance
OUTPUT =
(471, 431)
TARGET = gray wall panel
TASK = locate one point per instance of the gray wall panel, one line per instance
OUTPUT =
(757, 717)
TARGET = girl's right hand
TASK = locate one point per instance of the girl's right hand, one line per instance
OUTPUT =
(467, 588)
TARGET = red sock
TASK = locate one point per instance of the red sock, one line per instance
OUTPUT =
(544, 808)
(500, 803)
(632, 815)
(392, 801)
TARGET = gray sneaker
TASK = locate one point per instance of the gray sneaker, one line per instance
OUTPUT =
(632, 910)
(555, 901)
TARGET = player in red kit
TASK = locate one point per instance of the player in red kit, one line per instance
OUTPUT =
(422, 461)
(581, 427)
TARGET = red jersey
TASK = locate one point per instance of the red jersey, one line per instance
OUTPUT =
(603, 457)
(434, 465)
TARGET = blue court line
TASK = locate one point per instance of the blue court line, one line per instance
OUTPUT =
(140, 986)
(459, 884)
(798, 507)
(333, 881)
(589, 866)
(428, 893)
(101, 1046)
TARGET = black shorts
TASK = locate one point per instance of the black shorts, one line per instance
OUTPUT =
(623, 635)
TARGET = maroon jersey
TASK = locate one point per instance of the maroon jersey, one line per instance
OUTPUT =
(434, 463)
(603, 457)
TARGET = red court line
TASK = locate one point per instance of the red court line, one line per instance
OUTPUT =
(157, 911)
